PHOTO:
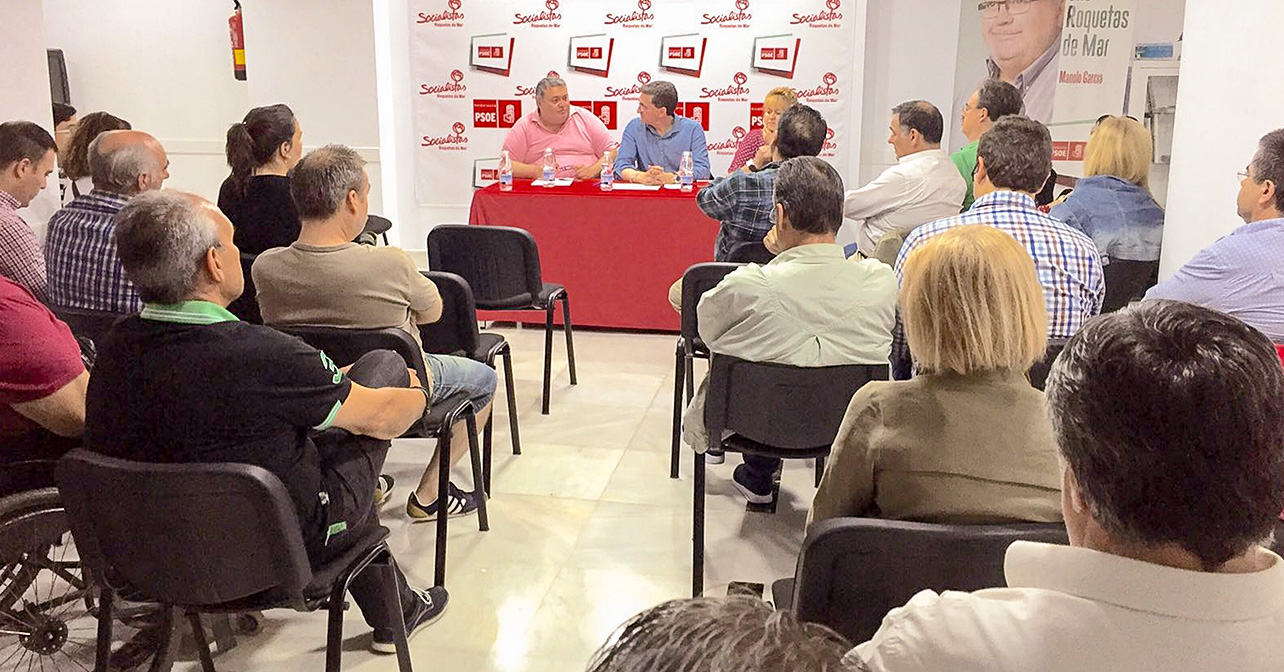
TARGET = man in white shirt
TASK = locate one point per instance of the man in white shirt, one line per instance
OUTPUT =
(924, 186)
(808, 307)
(1173, 477)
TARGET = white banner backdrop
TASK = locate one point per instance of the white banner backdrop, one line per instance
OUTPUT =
(475, 64)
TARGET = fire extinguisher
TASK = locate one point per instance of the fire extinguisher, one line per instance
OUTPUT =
(237, 31)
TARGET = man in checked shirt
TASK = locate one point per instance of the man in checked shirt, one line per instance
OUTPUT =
(26, 160)
(1013, 161)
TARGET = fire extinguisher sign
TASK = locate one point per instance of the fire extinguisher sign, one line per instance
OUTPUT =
(237, 32)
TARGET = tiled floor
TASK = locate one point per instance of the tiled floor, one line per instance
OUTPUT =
(586, 527)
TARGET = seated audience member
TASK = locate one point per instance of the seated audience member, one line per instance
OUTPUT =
(1112, 202)
(261, 150)
(65, 121)
(719, 634)
(577, 137)
(808, 307)
(967, 440)
(1241, 274)
(42, 390)
(185, 382)
(80, 250)
(26, 160)
(652, 145)
(923, 186)
(379, 287)
(992, 101)
(1013, 161)
(753, 153)
(76, 177)
(1170, 423)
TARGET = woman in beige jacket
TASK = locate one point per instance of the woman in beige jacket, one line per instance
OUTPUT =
(968, 439)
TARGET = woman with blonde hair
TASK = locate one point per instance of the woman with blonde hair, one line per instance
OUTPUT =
(967, 440)
(1112, 202)
(754, 150)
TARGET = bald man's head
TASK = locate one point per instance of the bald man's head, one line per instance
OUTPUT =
(127, 162)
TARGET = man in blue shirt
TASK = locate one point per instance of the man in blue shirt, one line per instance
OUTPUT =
(652, 144)
(1241, 274)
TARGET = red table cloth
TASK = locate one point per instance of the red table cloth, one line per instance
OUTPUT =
(616, 252)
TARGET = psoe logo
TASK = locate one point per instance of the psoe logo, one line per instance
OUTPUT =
(739, 18)
(830, 148)
(456, 141)
(729, 146)
(736, 93)
(455, 88)
(827, 92)
(829, 17)
(549, 18)
(642, 18)
(523, 91)
(451, 18)
(631, 92)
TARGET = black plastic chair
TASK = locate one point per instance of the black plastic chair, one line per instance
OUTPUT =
(206, 538)
(501, 265)
(90, 324)
(749, 252)
(346, 346)
(852, 571)
(772, 410)
(1039, 372)
(378, 226)
(246, 306)
(456, 334)
(1127, 281)
(698, 279)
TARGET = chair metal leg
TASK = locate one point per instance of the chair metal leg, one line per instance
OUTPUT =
(570, 341)
(690, 375)
(202, 643)
(483, 522)
(393, 598)
(697, 529)
(334, 627)
(102, 656)
(167, 647)
(675, 456)
(488, 433)
(548, 355)
(820, 469)
(510, 388)
(443, 490)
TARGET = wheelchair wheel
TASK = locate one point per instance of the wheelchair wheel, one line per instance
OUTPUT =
(48, 608)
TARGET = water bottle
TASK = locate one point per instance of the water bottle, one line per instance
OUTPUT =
(550, 167)
(607, 182)
(686, 172)
(505, 172)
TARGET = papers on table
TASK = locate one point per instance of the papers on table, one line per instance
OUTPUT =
(698, 183)
(557, 182)
(631, 186)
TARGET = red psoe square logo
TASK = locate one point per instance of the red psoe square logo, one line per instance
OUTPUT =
(755, 116)
(509, 112)
(485, 114)
(698, 112)
(605, 110)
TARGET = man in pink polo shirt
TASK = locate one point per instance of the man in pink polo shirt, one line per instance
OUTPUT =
(577, 136)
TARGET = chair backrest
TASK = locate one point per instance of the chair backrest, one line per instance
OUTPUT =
(749, 252)
(787, 407)
(1039, 372)
(246, 306)
(456, 331)
(377, 225)
(90, 324)
(184, 534)
(345, 346)
(1127, 281)
(699, 279)
(889, 246)
(499, 263)
(852, 571)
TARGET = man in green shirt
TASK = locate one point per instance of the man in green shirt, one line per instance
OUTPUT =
(992, 101)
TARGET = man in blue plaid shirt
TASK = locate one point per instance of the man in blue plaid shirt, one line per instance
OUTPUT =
(80, 249)
(1013, 162)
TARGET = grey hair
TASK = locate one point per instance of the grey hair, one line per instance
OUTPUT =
(811, 192)
(118, 169)
(546, 84)
(728, 634)
(1268, 164)
(323, 178)
(1017, 152)
(663, 94)
(162, 238)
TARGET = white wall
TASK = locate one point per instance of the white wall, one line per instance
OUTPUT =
(25, 73)
(163, 65)
(1227, 60)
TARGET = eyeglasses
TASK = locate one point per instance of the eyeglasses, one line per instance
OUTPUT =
(1242, 175)
(990, 8)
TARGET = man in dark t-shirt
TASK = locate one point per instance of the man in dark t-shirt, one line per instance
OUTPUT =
(184, 381)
